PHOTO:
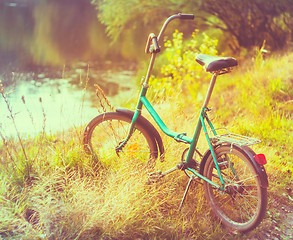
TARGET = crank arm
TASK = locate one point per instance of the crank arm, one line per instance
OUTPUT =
(156, 176)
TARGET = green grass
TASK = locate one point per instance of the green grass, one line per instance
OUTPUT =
(258, 102)
(57, 192)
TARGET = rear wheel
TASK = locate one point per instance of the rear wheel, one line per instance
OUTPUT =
(105, 133)
(242, 204)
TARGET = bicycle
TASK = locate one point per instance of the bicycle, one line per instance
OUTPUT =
(234, 177)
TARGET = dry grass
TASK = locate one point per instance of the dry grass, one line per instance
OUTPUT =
(70, 196)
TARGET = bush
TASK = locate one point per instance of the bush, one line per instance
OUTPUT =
(179, 72)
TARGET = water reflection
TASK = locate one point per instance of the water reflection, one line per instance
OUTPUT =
(59, 108)
(65, 102)
(37, 39)
(51, 32)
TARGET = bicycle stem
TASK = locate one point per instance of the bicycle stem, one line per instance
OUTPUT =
(152, 61)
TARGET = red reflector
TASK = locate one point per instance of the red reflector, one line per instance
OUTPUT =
(260, 159)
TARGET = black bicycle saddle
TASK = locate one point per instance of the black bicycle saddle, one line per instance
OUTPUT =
(212, 64)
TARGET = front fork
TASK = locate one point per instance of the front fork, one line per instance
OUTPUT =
(136, 115)
(130, 132)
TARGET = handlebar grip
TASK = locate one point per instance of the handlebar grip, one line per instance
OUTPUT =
(154, 47)
(155, 44)
(186, 16)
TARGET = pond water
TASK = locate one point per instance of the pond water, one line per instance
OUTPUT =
(49, 51)
(52, 102)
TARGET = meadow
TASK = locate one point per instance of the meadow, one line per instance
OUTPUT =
(50, 189)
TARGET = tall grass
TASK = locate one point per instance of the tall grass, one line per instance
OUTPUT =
(70, 196)
(257, 101)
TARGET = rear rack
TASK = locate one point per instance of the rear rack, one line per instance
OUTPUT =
(231, 138)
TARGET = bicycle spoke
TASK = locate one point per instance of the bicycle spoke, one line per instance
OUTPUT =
(239, 203)
(106, 132)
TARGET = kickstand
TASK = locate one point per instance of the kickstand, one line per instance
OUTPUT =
(186, 190)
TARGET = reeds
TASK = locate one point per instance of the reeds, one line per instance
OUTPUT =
(27, 163)
(104, 102)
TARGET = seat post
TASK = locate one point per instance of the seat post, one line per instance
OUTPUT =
(210, 90)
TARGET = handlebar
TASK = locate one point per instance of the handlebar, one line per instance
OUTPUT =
(154, 47)
(186, 16)
(179, 15)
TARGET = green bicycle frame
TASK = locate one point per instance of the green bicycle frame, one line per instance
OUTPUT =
(180, 137)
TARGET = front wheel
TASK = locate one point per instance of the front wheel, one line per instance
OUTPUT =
(241, 205)
(105, 133)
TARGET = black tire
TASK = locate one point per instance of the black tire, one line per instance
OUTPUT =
(243, 205)
(106, 131)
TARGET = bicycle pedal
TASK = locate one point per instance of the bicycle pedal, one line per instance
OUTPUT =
(154, 177)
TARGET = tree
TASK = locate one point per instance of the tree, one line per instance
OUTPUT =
(119, 15)
(250, 22)
(253, 21)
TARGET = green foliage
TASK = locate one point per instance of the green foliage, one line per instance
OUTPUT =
(121, 15)
(245, 23)
(180, 73)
